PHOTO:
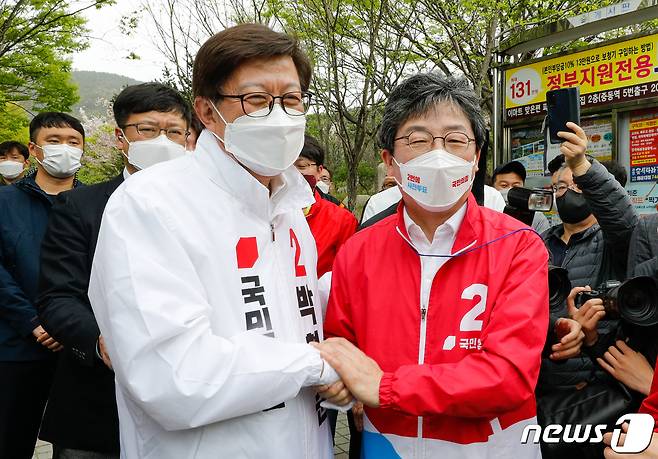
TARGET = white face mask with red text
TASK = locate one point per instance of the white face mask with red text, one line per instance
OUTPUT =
(436, 180)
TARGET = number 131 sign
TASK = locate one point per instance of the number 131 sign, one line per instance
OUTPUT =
(523, 86)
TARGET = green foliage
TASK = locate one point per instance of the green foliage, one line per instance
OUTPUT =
(35, 35)
(367, 176)
(95, 171)
(14, 123)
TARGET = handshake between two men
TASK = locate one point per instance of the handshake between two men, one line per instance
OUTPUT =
(360, 376)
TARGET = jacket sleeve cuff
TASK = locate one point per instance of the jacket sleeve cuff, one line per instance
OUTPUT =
(594, 176)
(386, 391)
(328, 374)
(29, 326)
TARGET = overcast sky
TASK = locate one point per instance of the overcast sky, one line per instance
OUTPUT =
(109, 48)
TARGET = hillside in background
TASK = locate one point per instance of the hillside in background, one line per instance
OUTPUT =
(93, 87)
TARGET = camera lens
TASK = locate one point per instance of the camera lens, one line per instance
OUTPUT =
(637, 300)
(559, 287)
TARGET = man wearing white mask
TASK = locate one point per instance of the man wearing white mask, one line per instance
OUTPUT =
(441, 310)
(14, 161)
(26, 350)
(81, 416)
(204, 277)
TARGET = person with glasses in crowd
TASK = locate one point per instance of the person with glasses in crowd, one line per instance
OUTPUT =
(311, 165)
(204, 279)
(592, 244)
(81, 416)
(330, 224)
(429, 306)
(325, 185)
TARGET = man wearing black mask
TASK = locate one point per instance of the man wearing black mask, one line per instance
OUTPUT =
(592, 243)
(597, 221)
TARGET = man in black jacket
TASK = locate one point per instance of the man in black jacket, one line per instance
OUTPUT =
(26, 349)
(81, 417)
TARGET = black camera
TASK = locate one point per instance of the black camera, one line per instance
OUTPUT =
(634, 301)
(522, 203)
(559, 287)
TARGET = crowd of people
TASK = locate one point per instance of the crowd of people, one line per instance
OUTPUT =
(216, 300)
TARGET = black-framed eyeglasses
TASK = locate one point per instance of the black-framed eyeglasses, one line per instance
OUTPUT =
(151, 131)
(562, 188)
(304, 166)
(455, 143)
(261, 104)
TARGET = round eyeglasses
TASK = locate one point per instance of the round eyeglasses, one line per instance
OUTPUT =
(455, 143)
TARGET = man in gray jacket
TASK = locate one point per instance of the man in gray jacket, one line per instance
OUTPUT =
(592, 244)
(643, 252)
(598, 220)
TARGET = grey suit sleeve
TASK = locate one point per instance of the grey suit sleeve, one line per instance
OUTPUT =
(612, 208)
(642, 253)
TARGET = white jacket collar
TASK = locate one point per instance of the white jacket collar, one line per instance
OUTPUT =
(293, 193)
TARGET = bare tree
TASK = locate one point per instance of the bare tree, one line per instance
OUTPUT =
(182, 26)
(356, 62)
(462, 37)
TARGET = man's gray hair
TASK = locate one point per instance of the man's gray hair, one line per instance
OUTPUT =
(421, 93)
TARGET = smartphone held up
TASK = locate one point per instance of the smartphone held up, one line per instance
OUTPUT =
(563, 105)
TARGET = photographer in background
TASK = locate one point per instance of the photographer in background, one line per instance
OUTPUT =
(631, 360)
(592, 244)
(598, 219)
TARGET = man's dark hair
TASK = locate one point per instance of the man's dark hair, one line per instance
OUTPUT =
(613, 167)
(312, 150)
(617, 170)
(52, 120)
(331, 174)
(226, 51)
(514, 167)
(419, 94)
(150, 97)
(8, 146)
(555, 164)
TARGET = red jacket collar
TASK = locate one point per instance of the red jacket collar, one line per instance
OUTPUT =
(316, 205)
(466, 235)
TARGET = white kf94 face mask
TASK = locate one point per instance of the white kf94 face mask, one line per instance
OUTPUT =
(146, 153)
(268, 145)
(60, 160)
(322, 186)
(436, 180)
(10, 169)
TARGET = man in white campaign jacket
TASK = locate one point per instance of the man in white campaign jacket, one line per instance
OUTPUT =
(204, 279)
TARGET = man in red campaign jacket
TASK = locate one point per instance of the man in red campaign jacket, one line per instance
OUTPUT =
(330, 224)
(446, 301)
